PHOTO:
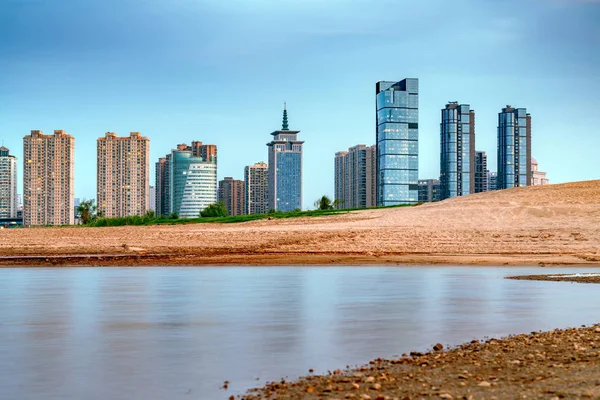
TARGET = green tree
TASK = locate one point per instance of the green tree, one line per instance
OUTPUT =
(323, 203)
(86, 210)
(173, 215)
(337, 203)
(214, 210)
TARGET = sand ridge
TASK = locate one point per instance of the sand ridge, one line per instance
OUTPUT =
(553, 224)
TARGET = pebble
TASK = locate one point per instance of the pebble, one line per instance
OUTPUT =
(484, 384)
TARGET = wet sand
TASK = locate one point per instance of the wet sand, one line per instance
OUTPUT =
(541, 225)
(579, 278)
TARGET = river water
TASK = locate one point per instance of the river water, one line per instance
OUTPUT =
(179, 333)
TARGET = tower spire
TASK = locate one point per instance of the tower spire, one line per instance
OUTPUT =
(285, 126)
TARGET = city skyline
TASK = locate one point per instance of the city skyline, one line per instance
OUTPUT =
(124, 82)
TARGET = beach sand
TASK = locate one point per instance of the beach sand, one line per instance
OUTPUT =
(541, 225)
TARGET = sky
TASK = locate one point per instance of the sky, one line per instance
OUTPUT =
(219, 72)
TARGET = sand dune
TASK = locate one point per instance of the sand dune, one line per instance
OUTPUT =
(554, 224)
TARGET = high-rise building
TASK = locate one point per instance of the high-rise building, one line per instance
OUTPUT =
(48, 177)
(231, 194)
(429, 190)
(397, 107)
(492, 181)
(457, 152)
(162, 187)
(8, 184)
(514, 148)
(481, 172)
(207, 152)
(256, 188)
(285, 169)
(355, 177)
(152, 196)
(123, 175)
(538, 177)
(186, 182)
(339, 179)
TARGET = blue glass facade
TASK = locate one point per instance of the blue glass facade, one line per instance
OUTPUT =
(397, 106)
(186, 180)
(514, 148)
(285, 169)
(193, 184)
(457, 150)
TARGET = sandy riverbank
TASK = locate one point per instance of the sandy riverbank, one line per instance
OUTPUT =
(544, 225)
(550, 365)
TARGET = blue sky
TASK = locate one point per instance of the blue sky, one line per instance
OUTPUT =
(219, 72)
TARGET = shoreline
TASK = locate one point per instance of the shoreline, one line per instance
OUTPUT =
(537, 225)
(216, 258)
(561, 363)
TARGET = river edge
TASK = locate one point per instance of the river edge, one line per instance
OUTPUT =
(561, 363)
(556, 364)
(226, 258)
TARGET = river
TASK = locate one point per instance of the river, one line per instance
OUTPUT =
(179, 333)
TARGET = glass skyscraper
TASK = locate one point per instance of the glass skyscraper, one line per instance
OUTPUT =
(514, 148)
(285, 169)
(186, 180)
(457, 150)
(397, 106)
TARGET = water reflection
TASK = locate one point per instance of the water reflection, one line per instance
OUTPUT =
(168, 333)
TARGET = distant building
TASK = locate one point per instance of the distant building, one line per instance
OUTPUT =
(152, 198)
(355, 177)
(207, 152)
(8, 184)
(538, 177)
(48, 177)
(429, 190)
(339, 178)
(186, 180)
(162, 203)
(256, 188)
(457, 157)
(123, 182)
(231, 193)
(76, 203)
(492, 181)
(481, 172)
(397, 127)
(514, 148)
(285, 169)
(20, 206)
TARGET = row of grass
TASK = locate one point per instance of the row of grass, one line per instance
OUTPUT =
(153, 220)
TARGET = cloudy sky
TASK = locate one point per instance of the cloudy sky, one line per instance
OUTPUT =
(219, 71)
